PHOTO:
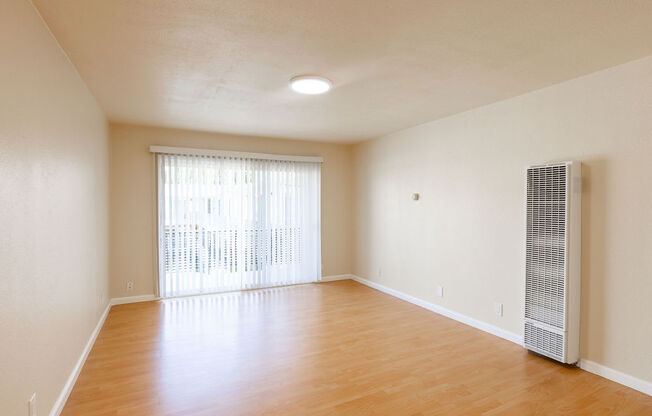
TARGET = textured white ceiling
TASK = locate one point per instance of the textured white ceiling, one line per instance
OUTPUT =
(224, 65)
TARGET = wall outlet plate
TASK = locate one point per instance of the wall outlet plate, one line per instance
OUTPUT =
(130, 285)
(32, 405)
(440, 291)
(498, 308)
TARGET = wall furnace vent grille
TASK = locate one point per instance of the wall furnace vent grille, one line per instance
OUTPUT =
(546, 245)
(552, 270)
(545, 341)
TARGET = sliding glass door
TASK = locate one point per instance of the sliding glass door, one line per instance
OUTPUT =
(235, 223)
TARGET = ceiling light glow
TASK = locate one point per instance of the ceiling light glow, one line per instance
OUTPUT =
(310, 84)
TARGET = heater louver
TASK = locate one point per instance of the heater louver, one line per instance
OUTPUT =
(552, 261)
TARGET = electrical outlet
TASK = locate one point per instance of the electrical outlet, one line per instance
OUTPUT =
(498, 308)
(130, 285)
(32, 405)
(440, 291)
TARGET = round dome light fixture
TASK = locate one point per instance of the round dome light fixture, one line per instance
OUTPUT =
(310, 84)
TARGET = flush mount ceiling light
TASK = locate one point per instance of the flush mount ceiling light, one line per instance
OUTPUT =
(310, 84)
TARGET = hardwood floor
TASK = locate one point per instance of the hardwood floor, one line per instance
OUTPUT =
(337, 348)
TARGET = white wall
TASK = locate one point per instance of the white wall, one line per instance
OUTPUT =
(466, 232)
(53, 212)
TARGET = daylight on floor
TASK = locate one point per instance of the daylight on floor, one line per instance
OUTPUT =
(304, 208)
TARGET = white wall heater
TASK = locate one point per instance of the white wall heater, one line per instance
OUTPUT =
(552, 270)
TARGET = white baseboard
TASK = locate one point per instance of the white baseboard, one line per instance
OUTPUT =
(70, 383)
(615, 375)
(133, 299)
(499, 332)
(590, 366)
(587, 365)
(336, 277)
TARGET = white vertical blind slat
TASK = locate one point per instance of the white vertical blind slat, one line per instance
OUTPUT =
(228, 223)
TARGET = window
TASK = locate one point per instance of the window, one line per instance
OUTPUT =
(232, 223)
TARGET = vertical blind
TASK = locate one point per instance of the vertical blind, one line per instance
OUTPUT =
(233, 223)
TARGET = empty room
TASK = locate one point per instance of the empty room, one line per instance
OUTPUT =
(299, 207)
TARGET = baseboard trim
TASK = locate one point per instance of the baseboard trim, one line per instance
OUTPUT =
(72, 379)
(133, 299)
(475, 323)
(586, 365)
(336, 277)
(617, 376)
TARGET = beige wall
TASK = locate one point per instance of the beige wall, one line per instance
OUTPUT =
(53, 212)
(132, 197)
(466, 232)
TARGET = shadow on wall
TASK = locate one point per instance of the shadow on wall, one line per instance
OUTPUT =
(594, 235)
